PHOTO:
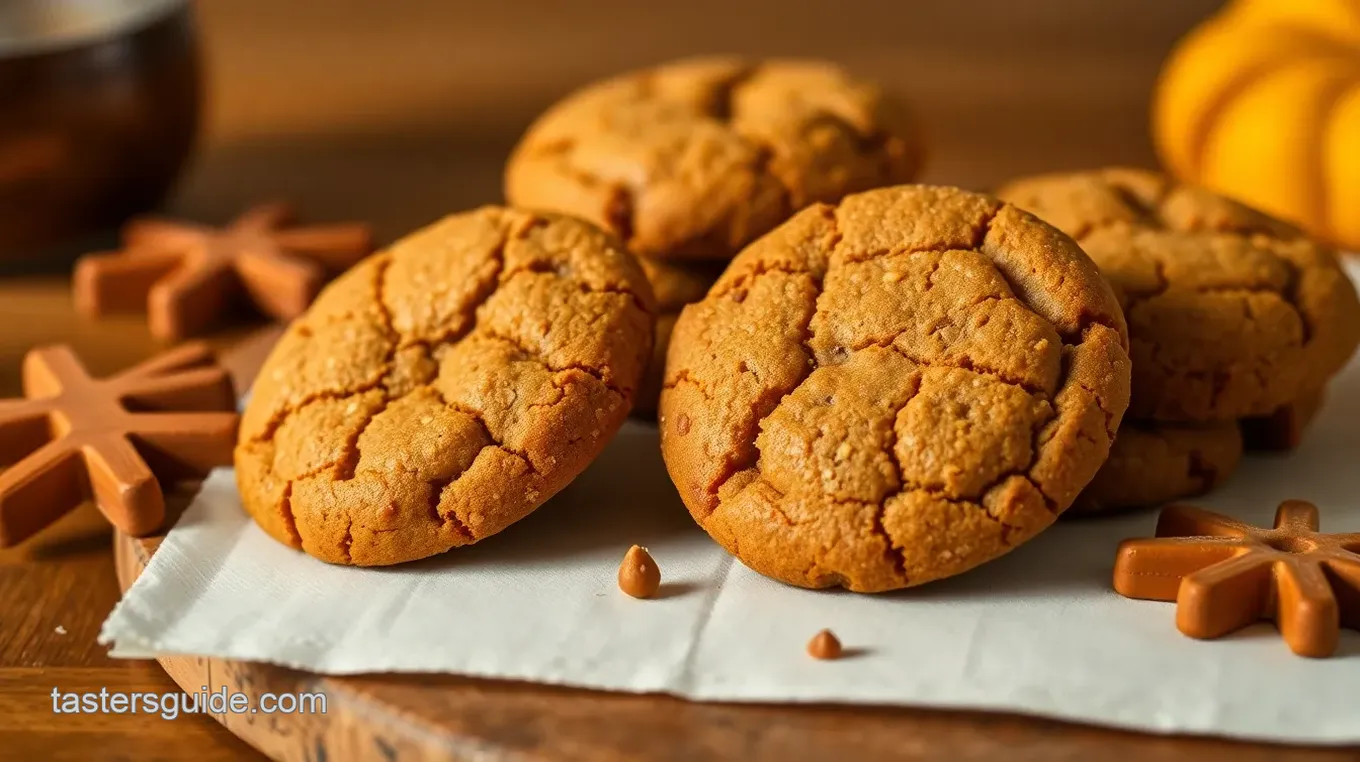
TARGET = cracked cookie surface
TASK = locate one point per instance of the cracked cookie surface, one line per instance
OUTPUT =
(445, 387)
(1153, 463)
(1231, 313)
(675, 285)
(894, 389)
(695, 159)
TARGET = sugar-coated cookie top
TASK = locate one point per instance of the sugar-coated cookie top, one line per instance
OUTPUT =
(1231, 312)
(445, 387)
(695, 159)
(894, 389)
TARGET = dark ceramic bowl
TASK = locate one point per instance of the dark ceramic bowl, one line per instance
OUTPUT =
(99, 106)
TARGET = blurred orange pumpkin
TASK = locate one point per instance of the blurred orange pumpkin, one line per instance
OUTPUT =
(1262, 102)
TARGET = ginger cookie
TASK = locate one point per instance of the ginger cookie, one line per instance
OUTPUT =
(444, 388)
(1153, 463)
(697, 158)
(1231, 313)
(675, 285)
(894, 389)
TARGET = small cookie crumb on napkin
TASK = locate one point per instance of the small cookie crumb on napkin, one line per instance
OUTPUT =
(1039, 631)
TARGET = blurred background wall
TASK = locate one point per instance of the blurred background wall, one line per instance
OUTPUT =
(402, 110)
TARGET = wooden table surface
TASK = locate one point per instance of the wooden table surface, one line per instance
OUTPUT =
(399, 112)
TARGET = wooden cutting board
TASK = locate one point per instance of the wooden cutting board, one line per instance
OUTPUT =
(440, 717)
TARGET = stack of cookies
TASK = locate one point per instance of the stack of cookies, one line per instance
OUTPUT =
(857, 383)
(689, 162)
(1236, 322)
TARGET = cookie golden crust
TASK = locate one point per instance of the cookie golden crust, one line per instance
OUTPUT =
(1231, 313)
(675, 285)
(695, 159)
(893, 390)
(1154, 463)
(445, 388)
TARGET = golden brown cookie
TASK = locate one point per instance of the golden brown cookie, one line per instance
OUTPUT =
(1153, 463)
(894, 389)
(675, 285)
(695, 159)
(445, 388)
(1231, 313)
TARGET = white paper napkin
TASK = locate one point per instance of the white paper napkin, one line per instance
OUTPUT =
(1039, 631)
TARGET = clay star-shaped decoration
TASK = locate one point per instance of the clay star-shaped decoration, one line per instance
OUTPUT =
(75, 437)
(186, 276)
(1224, 574)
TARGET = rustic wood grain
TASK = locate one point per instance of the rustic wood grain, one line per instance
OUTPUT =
(55, 591)
(30, 731)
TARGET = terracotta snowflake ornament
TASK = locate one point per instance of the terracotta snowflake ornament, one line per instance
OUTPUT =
(75, 437)
(1224, 575)
(187, 276)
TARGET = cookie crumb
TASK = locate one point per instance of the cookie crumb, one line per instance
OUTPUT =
(824, 645)
(60, 630)
(638, 574)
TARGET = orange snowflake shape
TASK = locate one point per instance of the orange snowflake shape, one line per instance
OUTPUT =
(75, 437)
(186, 276)
(1224, 574)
